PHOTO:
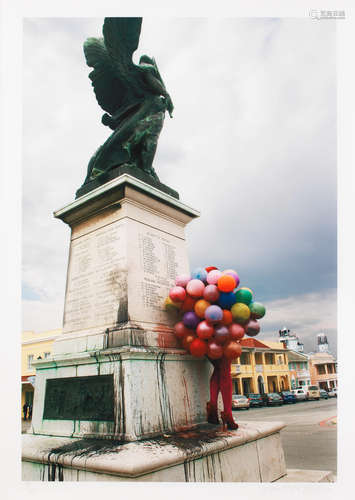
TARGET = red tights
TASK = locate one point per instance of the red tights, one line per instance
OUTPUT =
(221, 380)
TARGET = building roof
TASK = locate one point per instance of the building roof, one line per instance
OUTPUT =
(251, 342)
(271, 344)
(31, 337)
(321, 357)
(297, 356)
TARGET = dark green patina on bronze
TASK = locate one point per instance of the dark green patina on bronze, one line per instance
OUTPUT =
(80, 398)
(133, 97)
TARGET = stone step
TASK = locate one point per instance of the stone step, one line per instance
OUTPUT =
(307, 476)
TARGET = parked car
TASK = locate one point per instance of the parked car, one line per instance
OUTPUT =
(288, 397)
(323, 394)
(300, 394)
(255, 400)
(313, 392)
(271, 398)
(240, 401)
(333, 393)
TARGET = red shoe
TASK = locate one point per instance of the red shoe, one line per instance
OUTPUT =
(212, 415)
(228, 421)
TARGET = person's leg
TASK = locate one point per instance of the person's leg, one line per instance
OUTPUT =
(212, 415)
(226, 387)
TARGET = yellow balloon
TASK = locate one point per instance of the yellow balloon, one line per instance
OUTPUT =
(240, 313)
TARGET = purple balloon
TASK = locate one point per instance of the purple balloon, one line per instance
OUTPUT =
(191, 320)
(213, 314)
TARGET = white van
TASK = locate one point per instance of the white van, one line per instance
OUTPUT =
(312, 392)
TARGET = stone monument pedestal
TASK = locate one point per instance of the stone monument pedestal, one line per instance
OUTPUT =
(117, 372)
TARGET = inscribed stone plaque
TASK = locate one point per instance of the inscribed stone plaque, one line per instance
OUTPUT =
(79, 398)
(96, 292)
(155, 259)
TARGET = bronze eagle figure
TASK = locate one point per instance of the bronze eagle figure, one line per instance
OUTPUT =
(133, 97)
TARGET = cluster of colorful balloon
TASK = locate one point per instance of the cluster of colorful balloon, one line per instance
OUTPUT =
(216, 314)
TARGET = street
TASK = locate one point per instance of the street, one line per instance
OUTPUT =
(310, 438)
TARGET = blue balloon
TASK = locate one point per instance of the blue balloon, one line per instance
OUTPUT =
(226, 300)
(199, 274)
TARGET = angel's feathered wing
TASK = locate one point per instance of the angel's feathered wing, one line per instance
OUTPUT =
(115, 78)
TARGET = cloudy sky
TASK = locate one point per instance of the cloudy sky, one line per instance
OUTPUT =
(252, 145)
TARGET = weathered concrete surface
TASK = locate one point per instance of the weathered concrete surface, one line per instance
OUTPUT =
(307, 476)
(253, 453)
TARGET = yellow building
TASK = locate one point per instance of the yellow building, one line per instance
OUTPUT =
(262, 367)
(34, 346)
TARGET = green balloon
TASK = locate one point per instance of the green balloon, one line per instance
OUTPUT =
(257, 310)
(244, 295)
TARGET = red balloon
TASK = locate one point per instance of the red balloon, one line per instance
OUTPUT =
(181, 330)
(221, 334)
(188, 304)
(186, 341)
(204, 330)
(198, 348)
(210, 268)
(232, 350)
(236, 331)
(214, 351)
(177, 294)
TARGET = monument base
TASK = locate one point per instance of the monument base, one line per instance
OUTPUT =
(253, 453)
(122, 393)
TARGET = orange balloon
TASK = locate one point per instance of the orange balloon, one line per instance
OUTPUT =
(232, 350)
(200, 307)
(186, 341)
(227, 317)
(226, 283)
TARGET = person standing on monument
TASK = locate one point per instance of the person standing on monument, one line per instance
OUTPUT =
(221, 381)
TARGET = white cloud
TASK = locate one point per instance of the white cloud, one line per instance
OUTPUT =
(305, 315)
(41, 316)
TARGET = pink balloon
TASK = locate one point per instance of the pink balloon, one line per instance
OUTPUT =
(214, 351)
(211, 293)
(213, 276)
(182, 280)
(236, 331)
(221, 334)
(252, 328)
(195, 288)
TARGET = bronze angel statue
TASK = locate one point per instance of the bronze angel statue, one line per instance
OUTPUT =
(133, 97)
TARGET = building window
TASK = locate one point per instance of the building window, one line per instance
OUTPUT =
(269, 358)
(29, 361)
(258, 358)
(46, 355)
(321, 369)
(245, 358)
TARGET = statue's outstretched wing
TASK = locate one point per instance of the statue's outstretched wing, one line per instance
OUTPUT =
(121, 35)
(114, 76)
